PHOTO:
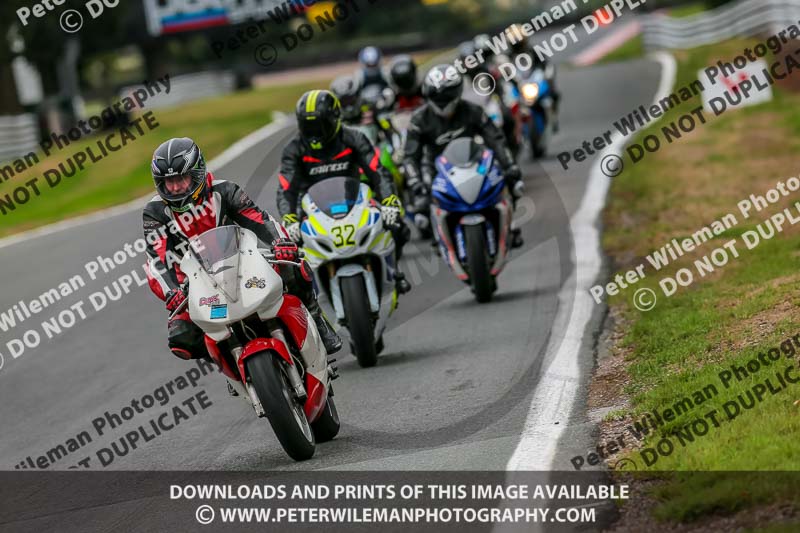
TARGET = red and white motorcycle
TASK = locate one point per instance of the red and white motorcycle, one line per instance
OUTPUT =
(264, 340)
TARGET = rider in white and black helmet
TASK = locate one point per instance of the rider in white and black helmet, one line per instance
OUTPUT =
(190, 202)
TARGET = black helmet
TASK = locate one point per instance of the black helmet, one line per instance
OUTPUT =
(319, 117)
(179, 157)
(442, 88)
(515, 36)
(370, 57)
(403, 73)
(347, 89)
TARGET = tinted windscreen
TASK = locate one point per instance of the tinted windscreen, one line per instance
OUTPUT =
(335, 196)
(462, 152)
(217, 250)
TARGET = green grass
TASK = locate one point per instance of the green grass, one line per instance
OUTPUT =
(777, 528)
(124, 175)
(746, 307)
(631, 49)
(687, 10)
(634, 48)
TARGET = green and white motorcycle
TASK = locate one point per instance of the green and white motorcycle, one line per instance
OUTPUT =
(353, 257)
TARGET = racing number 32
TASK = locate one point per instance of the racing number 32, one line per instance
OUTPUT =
(344, 235)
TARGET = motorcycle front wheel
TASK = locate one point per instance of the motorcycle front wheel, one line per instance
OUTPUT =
(359, 320)
(538, 149)
(284, 411)
(480, 276)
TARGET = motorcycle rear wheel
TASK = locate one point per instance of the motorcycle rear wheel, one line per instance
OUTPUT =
(284, 412)
(478, 263)
(359, 320)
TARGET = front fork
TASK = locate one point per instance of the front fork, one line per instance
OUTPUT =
(349, 270)
(450, 248)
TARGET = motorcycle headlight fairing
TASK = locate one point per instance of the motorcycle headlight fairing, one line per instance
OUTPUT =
(530, 91)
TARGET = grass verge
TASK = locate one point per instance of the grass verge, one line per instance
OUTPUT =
(727, 318)
(631, 49)
(124, 175)
(634, 48)
(687, 10)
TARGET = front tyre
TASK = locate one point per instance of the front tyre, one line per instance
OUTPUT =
(284, 412)
(326, 427)
(538, 149)
(478, 263)
(359, 320)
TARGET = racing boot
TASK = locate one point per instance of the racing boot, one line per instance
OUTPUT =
(516, 238)
(401, 283)
(331, 339)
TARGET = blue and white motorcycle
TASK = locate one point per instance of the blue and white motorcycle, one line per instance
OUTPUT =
(471, 212)
(537, 96)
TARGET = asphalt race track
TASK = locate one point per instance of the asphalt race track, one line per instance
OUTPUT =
(451, 391)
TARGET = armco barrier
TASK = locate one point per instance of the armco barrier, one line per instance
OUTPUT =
(189, 87)
(744, 18)
(19, 135)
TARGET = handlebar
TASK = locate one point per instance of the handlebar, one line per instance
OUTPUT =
(178, 309)
(267, 254)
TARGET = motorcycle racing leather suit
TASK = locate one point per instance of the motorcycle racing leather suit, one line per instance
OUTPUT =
(429, 134)
(167, 237)
(350, 151)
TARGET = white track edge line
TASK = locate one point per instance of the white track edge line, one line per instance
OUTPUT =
(554, 397)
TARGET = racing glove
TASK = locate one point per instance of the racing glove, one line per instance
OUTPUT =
(391, 210)
(285, 250)
(292, 226)
(174, 299)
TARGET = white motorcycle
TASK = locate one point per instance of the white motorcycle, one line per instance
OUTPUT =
(264, 340)
(353, 257)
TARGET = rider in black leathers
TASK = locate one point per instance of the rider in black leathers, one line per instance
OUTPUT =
(324, 148)
(445, 117)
